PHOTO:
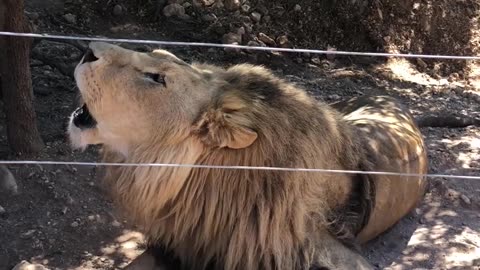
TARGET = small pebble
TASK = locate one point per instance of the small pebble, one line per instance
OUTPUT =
(8, 184)
(232, 5)
(116, 224)
(316, 60)
(334, 97)
(27, 234)
(209, 17)
(297, 8)
(117, 10)
(232, 38)
(74, 224)
(245, 8)
(465, 199)
(331, 56)
(253, 43)
(266, 39)
(34, 16)
(174, 10)
(70, 18)
(283, 42)
(256, 17)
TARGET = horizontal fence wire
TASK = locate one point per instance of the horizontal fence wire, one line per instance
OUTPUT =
(177, 165)
(235, 46)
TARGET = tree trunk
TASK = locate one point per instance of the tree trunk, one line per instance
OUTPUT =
(22, 131)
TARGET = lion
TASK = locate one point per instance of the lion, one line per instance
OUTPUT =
(152, 107)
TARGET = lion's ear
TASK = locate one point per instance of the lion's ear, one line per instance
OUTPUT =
(228, 125)
(241, 138)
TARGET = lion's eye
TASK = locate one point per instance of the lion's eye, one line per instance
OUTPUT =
(158, 78)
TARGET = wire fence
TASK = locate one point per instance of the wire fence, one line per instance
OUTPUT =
(261, 168)
(234, 46)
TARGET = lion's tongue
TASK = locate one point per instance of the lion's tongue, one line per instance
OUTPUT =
(83, 119)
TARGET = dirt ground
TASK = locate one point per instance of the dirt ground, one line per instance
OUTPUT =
(62, 219)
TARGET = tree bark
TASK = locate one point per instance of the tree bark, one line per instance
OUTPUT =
(22, 131)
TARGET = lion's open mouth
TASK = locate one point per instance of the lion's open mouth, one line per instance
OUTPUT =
(83, 119)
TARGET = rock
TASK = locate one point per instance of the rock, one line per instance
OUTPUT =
(207, 3)
(452, 194)
(232, 38)
(283, 42)
(331, 56)
(117, 10)
(248, 27)
(453, 77)
(334, 97)
(74, 224)
(297, 8)
(2, 211)
(218, 28)
(245, 8)
(256, 17)
(241, 31)
(24, 265)
(8, 184)
(422, 63)
(33, 15)
(232, 4)
(209, 17)
(253, 43)
(261, 43)
(174, 10)
(70, 18)
(465, 199)
(316, 60)
(266, 39)
(278, 12)
(28, 234)
(115, 223)
(197, 3)
(261, 9)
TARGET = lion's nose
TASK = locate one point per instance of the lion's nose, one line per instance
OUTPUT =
(89, 57)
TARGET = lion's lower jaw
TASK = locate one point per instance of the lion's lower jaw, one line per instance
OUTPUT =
(78, 139)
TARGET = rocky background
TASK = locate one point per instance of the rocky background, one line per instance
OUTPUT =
(60, 217)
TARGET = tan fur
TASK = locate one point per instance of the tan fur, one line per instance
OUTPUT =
(243, 115)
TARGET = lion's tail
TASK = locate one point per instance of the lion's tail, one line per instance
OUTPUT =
(447, 121)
